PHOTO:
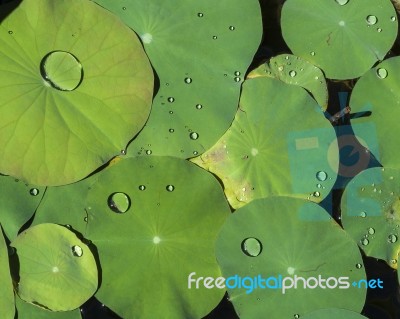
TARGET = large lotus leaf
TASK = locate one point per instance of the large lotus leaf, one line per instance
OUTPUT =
(154, 220)
(287, 242)
(375, 104)
(18, 202)
(7, 303)
(333, 313)
(256, 158)
(371, 212)
(28, 311)
(75, 87)
(57, 271)
(294, 70)
(344, 38)
(200, 51)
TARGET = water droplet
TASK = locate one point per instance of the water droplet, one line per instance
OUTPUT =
(200, 15)
(148, 152)
(393, 18)
(362, 189)
(392, 238)
(358, 266)
(371, 19)
(34, 191)
(364, 241)
(363, 214)
(199, 106)
(123, 8)
(156, 240)
(195, 153)
(232, 28)
(188, 80)
(68, 226)
(342, 2)
(171, 99)
(319, 186)
(251, 247)
(123, 152)
(296, 316)
(312, 53)
(171, 130)
(142, 187)
(77, 251)
(146, 38)
(237, 79)
(119, 202)
(61, 70)
(237, 73)
(171, 112)
(379, 30)
(371, 231)
(10, 32)
(287, 57)
(215, 37)
(170, 188)
(85, 219)
(292, 73)
(317, 194)
(316, 78)
(280, 68)
(194, 136)
(322, 176)
(393, 261)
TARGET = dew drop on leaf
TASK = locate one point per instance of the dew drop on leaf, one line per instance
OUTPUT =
(171, 99)
(364, 241)
(142, 187)
(188, 80)
(77, 251)
(342, 2)
(392, 238)
(194, 136)
(119, 202)
(363, 214)
(371, 231)
(34, 191)
(358, 266)
(170, 188)
(292, 73)
(322, 176)
(251, 247)
(199, 106)
(371, 19)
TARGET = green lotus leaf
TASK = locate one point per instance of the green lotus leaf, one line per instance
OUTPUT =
(29, 311)
(75, 87)
(333, 313)
(375, 105)
(255, 158)
(57, 271)
(18, 202)
(294, 70)
(299, 244)
(154, 220)
(200, 51)
(343, 38)
(371, 212)
(7, 303)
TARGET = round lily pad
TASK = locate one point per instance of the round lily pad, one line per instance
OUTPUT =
(307, 261)
(166, 232)
(343, 38)
(7, 303)
(57, 271)
(200, 52)
(294, 70)
(371, 213)
(255, 158)
(333, 313)
(18, 202)
(375, 105)
(73, 94)
(29, 311)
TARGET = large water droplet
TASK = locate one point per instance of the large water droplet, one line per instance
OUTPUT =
(188, 80)
(77, 251)
(251, 247)
(119, 202)
(316, 194)
(371, 231)
(194, 136)
(292, 73)
(170, 188)
(364, 241)
(61, 70)
(342, 2)
(34, 191)
(322, 176)
(371, 19)
(363, 214)
(382, 73)
(392, 238)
